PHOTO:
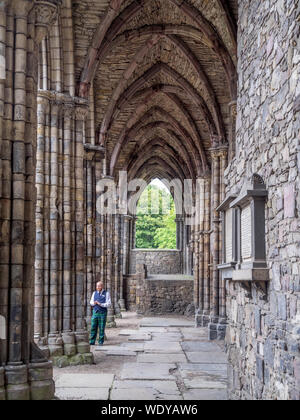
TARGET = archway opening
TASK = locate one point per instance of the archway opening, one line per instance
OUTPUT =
(156, 215)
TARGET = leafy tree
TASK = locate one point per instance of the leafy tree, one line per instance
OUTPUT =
(154, 228)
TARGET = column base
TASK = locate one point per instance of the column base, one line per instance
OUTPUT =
(69, 349)
(110, 322)
(217, 330)
(202, 319)
(122, 305)
(27, 382)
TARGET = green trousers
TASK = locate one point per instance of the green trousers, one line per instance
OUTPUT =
(98, 321)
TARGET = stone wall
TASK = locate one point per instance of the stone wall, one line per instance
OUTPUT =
(264, 329)
(165, 296)
(157, 261)
(130, 283)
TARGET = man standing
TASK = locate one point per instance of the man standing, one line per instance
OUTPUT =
(100, 302)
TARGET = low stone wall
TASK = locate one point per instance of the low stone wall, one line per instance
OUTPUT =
(130, 283)
(156, 296)
(157, 261)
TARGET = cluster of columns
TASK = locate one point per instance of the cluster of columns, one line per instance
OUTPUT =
(59, 318)
(209, 288)
(25, 372)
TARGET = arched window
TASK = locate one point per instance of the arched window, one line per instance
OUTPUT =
(156, 214)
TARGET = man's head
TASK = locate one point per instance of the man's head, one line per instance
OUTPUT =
(100, 286)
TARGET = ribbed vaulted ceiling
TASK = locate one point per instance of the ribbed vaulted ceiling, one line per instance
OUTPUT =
(163, 73)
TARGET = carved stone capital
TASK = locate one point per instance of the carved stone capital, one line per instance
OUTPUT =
(43, 103)
(81, 112)
(217, 152)
(233, 109)
(21, 7)
(45, 15)
(69, 110)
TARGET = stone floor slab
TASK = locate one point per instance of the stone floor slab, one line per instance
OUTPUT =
(121, 353)
(126, 333)
(97, 394)
(153, 329)
(166, 322)
(198, 346)
(161, 358)
(133, 394)
(147, 371)
(160, 387)
(213, 357)
(162, 347)
(205, 395)
(170, 337)
(140, 337)
(82, 380)
(209, 368)
(133, 346)
(205, 382)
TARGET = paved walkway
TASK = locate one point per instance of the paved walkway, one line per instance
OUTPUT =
(163, 358)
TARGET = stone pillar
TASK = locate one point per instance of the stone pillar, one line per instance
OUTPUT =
(206, 259)
(124, 259)
(25, 372)
(117, 264)
(81, 334)
(43, 113)
(218, 321)
(222, 301)
(110, 284)
(200, 248)
(89, 238)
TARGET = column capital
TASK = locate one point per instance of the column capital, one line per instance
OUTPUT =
(46, 12)
(94, 152)
(81, 112)
(233, 109)
(220, 151)
(21, 7)
(43, 102)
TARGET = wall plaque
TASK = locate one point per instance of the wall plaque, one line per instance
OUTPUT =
(228, 236)
(246, 233)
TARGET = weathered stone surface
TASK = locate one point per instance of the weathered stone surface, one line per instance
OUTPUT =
(162, 347)
(96, 394)
(207, 357)
(196, 346)
(205, 395)
(154, 371)
(136, 394)
(161, 358)
(77, 380)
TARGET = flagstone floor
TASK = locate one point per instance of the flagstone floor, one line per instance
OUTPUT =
(160, 358)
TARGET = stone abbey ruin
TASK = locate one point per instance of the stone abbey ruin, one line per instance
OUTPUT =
(200, 90)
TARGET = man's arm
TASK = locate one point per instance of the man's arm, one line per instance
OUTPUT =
(107, 304)
(92, 302)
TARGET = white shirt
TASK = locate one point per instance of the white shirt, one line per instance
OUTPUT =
(107, 304)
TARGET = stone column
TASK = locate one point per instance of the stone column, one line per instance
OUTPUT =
(206, 245)
(124, 259)
(222, 302)
(117, 264)
(215, 203)
(25, 372)
(217, 324)
(110, 284)
(89, 237)
(81, 334)
(43, 113)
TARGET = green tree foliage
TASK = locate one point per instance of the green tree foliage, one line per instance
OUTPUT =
(155, 225)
